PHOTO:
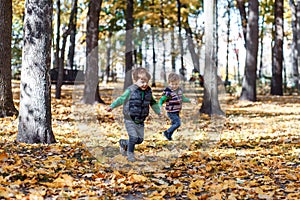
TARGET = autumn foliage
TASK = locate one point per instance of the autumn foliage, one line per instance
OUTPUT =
(252, 153)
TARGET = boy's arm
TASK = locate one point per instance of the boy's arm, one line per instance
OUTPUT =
(120, 100)
(155, 106)
(162, 100)
(185, 99)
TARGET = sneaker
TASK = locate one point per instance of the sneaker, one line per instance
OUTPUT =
(123, 147)
(130, 157)
(167, 135)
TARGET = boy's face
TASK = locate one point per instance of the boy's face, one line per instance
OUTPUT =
(142, 82)
(174, 85)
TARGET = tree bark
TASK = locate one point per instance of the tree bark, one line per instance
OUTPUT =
(242, 8)
(295, 52)
(210, 105)
(91, 81)
(7, 107)
(191, 46)
(277, 56)
(35, 100)
(128, 48)
(249, 81)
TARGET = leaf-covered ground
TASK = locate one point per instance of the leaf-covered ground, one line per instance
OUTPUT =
(252, 153)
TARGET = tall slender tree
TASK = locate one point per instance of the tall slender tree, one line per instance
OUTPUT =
(295, 52)
(73, 22)
(210, 105)
(7, 107)
(91, 80)
(128, 42)
(277, 53)
(180, 42)
(35, 100)
(249, 81)
(61, 60)
(298, 30)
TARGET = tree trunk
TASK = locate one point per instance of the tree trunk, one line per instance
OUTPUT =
(173, 52)
(210, 105)
(162, 20)
(91, 80)
(261, 46)
(73, 21)
(61, 63)
(242, 8)
(182, 71)
(249, 81)
(57, 47)
(153, 56)
(294, 45)
(128, 48)
(35, 100)
(298, 36)
(277, 56)
(7, 107)
(191, 46)
(228, 39)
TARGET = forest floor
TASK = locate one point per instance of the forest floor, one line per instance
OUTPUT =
(252, 153)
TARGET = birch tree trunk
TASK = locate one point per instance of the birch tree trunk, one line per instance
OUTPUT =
(210, 105)
(35, 101)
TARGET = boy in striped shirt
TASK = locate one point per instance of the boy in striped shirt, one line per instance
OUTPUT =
(173, 97)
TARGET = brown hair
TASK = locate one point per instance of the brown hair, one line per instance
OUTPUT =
(173, 77)
(140, 72)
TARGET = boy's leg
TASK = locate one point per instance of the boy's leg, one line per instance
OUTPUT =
(176, 123)
(136, 136)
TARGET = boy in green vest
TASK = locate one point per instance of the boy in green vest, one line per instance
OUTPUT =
(136, 101)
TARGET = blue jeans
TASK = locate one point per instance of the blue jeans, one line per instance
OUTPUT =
(175, 119)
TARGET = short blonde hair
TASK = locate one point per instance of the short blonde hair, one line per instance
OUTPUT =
(140, 72)
(173, 77)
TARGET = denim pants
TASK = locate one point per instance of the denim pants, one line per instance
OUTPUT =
(135, 134)
(175, 119)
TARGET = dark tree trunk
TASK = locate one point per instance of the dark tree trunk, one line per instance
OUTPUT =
(108, 55)
(261, 46)
(298, 36)
(91, 81)
(61, 63)
(35, 100)
(228, 38)
(153, 56)
(173, 50)
(182, 71)
(57, 47)
(7, 107)
(128, 48)
(162, 20)
(249, 81)
(277, 57)
(73, 21)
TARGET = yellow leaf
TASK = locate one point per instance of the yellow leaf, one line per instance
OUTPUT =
(135, 178)
(197, 184)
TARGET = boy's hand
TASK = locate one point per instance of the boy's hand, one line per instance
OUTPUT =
(108, 109)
